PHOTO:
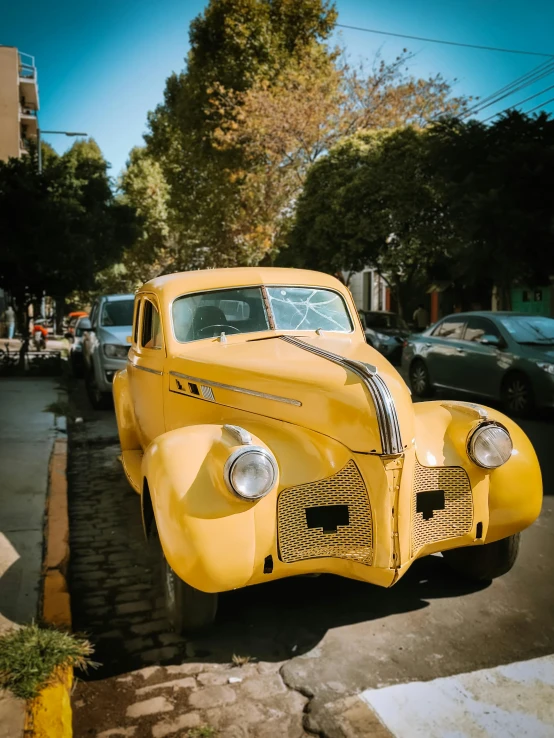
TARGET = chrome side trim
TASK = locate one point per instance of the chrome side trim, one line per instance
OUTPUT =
(146, 369)
(242, 390)
(239, 434)
(387, 418)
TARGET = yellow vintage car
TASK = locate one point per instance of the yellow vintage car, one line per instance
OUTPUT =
(266, 439)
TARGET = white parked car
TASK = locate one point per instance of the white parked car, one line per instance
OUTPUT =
(105, 346)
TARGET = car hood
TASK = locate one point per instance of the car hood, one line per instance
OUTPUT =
(393, 332)
(115, 334)
(286, 380)
(537, 353)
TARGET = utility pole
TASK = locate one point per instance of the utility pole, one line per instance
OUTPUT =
(59, 133)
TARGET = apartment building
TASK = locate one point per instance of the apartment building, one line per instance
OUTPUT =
(19, 102)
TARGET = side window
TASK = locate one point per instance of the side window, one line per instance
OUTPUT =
(450, 328)
(136, 320)
(94, 314)
(478, 327)
(151, 326)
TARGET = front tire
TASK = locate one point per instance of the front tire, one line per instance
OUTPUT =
(188, 609)
(483, 563)
(98, 399)
(420, 380)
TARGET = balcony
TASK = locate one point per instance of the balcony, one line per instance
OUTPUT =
(28, 87)
(29, 122)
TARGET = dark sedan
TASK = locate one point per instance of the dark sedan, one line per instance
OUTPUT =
(497, 355)
(386, 332)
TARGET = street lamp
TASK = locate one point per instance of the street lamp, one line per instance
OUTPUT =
(61, 133)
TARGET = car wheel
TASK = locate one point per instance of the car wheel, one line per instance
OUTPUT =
(419, 379)
(188, 609)
(483, 563)
(98, 399)
(517, 395)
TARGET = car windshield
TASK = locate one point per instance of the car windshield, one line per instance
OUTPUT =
(532, 329)
(117, 313)
(308, 308)
(244, 310)
(385, 321)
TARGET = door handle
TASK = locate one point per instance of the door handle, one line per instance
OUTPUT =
(427, 345)
(459, 350)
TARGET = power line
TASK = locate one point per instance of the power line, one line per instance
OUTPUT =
(521, 102)
(448, 43)
(546, 102)
(530, 77)
(510, 90)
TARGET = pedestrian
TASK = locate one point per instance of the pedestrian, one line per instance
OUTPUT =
(421, 318)
(10, 320)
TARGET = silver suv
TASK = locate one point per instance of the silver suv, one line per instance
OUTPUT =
(105, 346)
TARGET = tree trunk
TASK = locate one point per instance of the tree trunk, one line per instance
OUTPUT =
(60, 309)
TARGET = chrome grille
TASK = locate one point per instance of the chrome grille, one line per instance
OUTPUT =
(457, 517)
(353, 541)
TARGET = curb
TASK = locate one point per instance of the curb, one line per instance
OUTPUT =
(49, 715)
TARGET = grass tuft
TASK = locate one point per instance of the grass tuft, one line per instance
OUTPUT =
(240, 660)
(59, 408)
(29, 657)
(204, 731)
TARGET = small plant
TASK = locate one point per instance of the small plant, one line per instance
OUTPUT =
(240, 660)
(204, 731)
(59, 408)
(30, 656)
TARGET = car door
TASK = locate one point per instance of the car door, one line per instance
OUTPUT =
(445, 351)
(146, 370)
(482, 361)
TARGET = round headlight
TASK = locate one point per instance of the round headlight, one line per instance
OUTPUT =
(250, 472)
(490, 446)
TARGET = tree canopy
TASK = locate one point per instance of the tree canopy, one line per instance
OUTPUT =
(263, 97)
(62, 226)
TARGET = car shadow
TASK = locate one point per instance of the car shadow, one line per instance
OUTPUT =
(280, 620)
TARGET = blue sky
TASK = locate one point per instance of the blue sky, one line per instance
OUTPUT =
(102, 65)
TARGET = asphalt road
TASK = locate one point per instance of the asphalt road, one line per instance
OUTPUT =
(337, 637)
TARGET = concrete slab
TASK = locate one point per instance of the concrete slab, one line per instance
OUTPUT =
(513, 701)
(26, 437)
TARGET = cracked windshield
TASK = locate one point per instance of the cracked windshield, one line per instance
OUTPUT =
(305, 308)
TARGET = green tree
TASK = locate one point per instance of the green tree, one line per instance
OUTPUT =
(235, 44)
(373, 201)
(499, 194)
(59, 228)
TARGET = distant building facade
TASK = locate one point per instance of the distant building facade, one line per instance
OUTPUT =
(369, 290)
(19, 102)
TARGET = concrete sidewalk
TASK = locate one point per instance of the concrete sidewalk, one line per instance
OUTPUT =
(26, 437)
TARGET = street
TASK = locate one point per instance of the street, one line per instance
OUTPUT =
(330, 638)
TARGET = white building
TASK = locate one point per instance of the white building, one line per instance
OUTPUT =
(369, 290)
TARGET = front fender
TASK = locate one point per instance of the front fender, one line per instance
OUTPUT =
(124, 412)
(212, 539)
(506, 500)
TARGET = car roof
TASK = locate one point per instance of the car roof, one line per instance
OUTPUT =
(489, 314)
(173, 285)
(114, 298)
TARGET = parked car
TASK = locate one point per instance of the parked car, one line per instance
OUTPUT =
(105, 346)
(272, 441)
(71, 322)
(82, 325)
(386, 332)
(502, 356)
